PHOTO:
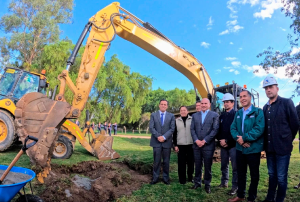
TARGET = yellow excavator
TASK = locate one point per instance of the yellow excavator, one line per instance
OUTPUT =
(41, 117)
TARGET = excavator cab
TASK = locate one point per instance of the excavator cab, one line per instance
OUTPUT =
(15, 83)
(217, 104)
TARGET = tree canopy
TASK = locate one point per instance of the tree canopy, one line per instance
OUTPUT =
(30, 25)
(290, 59)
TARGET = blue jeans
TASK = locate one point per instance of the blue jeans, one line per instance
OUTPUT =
(278, 171)
(225, 155)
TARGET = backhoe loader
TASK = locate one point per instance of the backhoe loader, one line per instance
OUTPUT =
(41, 117)
(15, 83)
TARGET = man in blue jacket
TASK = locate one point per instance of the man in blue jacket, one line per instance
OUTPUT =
(281, 128)
(247, 130)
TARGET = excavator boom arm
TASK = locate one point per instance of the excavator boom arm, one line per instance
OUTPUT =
(104, 26)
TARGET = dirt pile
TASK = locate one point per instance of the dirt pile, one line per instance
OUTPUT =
(91, 181)
(14, 178)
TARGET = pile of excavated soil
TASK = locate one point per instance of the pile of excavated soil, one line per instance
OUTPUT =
(91, 181)
(14, 178)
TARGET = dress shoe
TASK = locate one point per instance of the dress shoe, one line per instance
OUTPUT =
(268, 201)
(232, 191)
(297, 186)
(195, 186)
(153, 182)
(223, 186)
(167, 182)
(207, 190)
(191, 180)
(236, 199)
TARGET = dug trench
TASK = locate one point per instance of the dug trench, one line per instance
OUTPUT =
(92, 181)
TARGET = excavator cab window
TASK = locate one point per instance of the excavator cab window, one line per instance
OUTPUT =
(8, 80)
(1, 72)
(27, 83)
(219, 103)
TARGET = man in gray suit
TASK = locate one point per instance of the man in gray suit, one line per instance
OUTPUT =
(204, 127)
(162, 126)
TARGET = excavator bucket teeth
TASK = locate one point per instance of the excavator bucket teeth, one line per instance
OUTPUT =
(40, 117)
(102, 146)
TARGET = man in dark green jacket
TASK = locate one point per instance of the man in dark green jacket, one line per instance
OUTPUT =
(247, 129)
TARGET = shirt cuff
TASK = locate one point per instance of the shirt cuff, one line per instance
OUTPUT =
(164, 137)
(204, 140)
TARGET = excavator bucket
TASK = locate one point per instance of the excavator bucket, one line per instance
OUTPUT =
(40, 117)
(102, 146)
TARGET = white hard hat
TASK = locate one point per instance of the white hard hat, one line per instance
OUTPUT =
(269, 81)
(227, 96)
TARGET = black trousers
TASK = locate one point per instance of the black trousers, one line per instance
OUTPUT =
(158, 154)
(185, 158)
(202, 156)
(243, 161)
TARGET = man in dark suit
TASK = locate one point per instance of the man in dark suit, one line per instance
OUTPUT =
(298, 113)
(282, 125)
(204, 128)
(162, 126)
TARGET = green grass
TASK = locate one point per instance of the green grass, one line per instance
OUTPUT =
(138, 154)
(135, 134)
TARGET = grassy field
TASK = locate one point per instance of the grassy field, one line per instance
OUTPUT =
(135, 134)
(138, 153)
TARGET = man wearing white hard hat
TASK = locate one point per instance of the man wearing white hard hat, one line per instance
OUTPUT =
(227, 143)
(280, 130)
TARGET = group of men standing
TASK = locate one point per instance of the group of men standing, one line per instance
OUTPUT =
(242, 135)
(107, 128)
(103, 127)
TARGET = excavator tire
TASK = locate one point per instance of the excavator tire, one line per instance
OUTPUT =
(29, 198)
(63, 148)
(7, 131)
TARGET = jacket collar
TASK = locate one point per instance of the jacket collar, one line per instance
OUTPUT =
(277, 100)
(189, 117)
(254, 109)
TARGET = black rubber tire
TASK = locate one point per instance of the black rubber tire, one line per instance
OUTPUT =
(30, 198)
(11, 135)
(69, 146)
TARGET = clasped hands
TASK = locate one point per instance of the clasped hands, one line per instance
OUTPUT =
(223, 143)
(200, 143)
(161, 139)
(241, 142)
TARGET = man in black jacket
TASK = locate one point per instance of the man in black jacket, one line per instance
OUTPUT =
(298, 113)
(281, 128)
(227, 143)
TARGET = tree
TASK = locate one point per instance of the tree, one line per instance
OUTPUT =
(176, 98)
(118, 94)
(144, 120)
(53, 59)
(289, 60)
(30, 25)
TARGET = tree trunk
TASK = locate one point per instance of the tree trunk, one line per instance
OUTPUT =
(140, 128)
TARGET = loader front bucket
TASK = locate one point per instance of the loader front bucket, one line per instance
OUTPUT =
(102, 146)
(38, 116)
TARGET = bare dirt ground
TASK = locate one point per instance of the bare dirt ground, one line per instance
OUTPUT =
(91, 181)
